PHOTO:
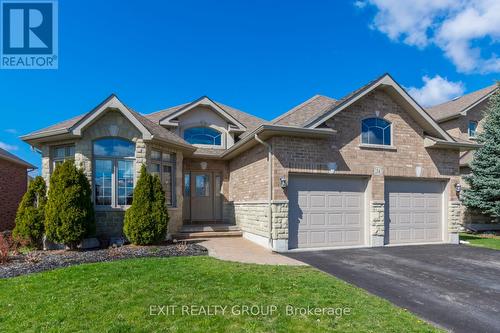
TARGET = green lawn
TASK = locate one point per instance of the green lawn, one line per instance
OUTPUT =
(476, 240)
(116, 297)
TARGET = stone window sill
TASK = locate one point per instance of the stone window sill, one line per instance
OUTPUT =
(378, 147)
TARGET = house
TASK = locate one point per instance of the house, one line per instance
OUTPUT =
(463, 119)
(13, 185)
(370, 169)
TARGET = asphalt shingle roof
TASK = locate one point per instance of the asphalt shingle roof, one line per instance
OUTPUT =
(457, 105)
(299, 115)
(4, 154)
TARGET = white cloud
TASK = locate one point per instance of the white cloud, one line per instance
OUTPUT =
(6, 146)
(360, 4)
(436, 90)
(11, 130)
(452, 25)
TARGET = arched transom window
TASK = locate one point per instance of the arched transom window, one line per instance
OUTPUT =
(113, 172)
(203, 136)
(376, 131)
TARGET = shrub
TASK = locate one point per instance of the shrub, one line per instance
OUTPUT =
(146, 220)
(69, 213)
(5, 245)
(31, 213)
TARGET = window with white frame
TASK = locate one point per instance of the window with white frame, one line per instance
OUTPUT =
(163, 165)
(113, 172)
(376, 131)
(472, 129)
(203, 136)
(61, 154)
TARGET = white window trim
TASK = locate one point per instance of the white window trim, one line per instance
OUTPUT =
(114, 182)
(55, 159)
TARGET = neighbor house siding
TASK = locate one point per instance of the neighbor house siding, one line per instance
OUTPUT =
(13, 184)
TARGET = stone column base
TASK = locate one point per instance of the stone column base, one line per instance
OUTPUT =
(454, 238)
(377, 241)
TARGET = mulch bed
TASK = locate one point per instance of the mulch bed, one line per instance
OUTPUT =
(38, 261)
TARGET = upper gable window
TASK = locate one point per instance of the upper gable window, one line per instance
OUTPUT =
(472, 129)
(202, 136)
(114, 147)
(376, 131)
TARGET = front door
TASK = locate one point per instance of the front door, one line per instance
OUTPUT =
(203, 199)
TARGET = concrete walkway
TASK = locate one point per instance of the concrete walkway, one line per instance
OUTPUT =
(242, 250)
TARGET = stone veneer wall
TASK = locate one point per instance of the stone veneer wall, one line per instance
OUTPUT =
(377, 222)
(109, 222)
(280, 219)
(252, 217)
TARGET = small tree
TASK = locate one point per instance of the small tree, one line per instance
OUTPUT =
(69, 214)
(146, 220)
(484, 181)
(31, 213)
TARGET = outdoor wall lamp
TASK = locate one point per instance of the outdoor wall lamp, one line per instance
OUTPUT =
(458, 187)
(283, 182)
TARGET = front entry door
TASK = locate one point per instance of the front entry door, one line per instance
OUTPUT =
(202, 196)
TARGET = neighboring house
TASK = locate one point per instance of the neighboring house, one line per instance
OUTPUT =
(13, 185)
(463, 118)
(370, 169)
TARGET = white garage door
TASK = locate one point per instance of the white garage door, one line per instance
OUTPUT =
(413, 212)
(326, 211)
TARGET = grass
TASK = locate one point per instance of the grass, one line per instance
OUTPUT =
(116, 297)
(491, 242)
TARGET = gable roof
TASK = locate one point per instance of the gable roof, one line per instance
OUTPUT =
(390, 86)
(249, 121)
(204, 101)
(75, 125)
(5, 155)
(460, 105)
(301, 113)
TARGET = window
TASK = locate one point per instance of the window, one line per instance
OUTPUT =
(376, 131)
(113, 172)
(163, 165)
(202, 136)
(61, 154)
(202, 185)
(187, 184)
(472, 129)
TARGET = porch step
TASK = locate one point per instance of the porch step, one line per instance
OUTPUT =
(189, 228)
(208, 231)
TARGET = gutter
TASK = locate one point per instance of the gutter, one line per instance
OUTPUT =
(270, 186)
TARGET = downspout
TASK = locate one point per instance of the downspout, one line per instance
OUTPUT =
(270, 186)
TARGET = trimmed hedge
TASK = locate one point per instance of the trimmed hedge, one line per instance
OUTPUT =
(31, 213)
(69, 213)
(147, 219)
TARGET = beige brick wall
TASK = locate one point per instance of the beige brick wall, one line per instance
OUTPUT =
(248, 180)
(459, 127)
(344, 148)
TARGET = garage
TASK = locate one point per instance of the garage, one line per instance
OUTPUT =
(413, 211)
(326, 211)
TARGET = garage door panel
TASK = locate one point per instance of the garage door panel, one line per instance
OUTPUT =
(414, 211)
(326, 211)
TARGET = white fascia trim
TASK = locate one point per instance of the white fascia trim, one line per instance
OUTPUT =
(385, 80)
(115, 104)
(203, 101)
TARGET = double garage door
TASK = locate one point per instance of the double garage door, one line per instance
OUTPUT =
(330, 211)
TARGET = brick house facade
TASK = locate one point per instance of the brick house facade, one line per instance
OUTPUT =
(13, 185)
(313, 177)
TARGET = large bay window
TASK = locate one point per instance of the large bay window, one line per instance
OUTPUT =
(113, 172)
(163, 165)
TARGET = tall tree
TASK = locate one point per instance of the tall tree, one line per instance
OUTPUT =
(484, 180)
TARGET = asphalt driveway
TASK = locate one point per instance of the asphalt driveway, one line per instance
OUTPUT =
(456, 287)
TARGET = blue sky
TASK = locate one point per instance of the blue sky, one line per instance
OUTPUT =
(263, 57)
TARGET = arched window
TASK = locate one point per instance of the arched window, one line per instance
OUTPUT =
(202, 136)
(376, 131)
(113, 172)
